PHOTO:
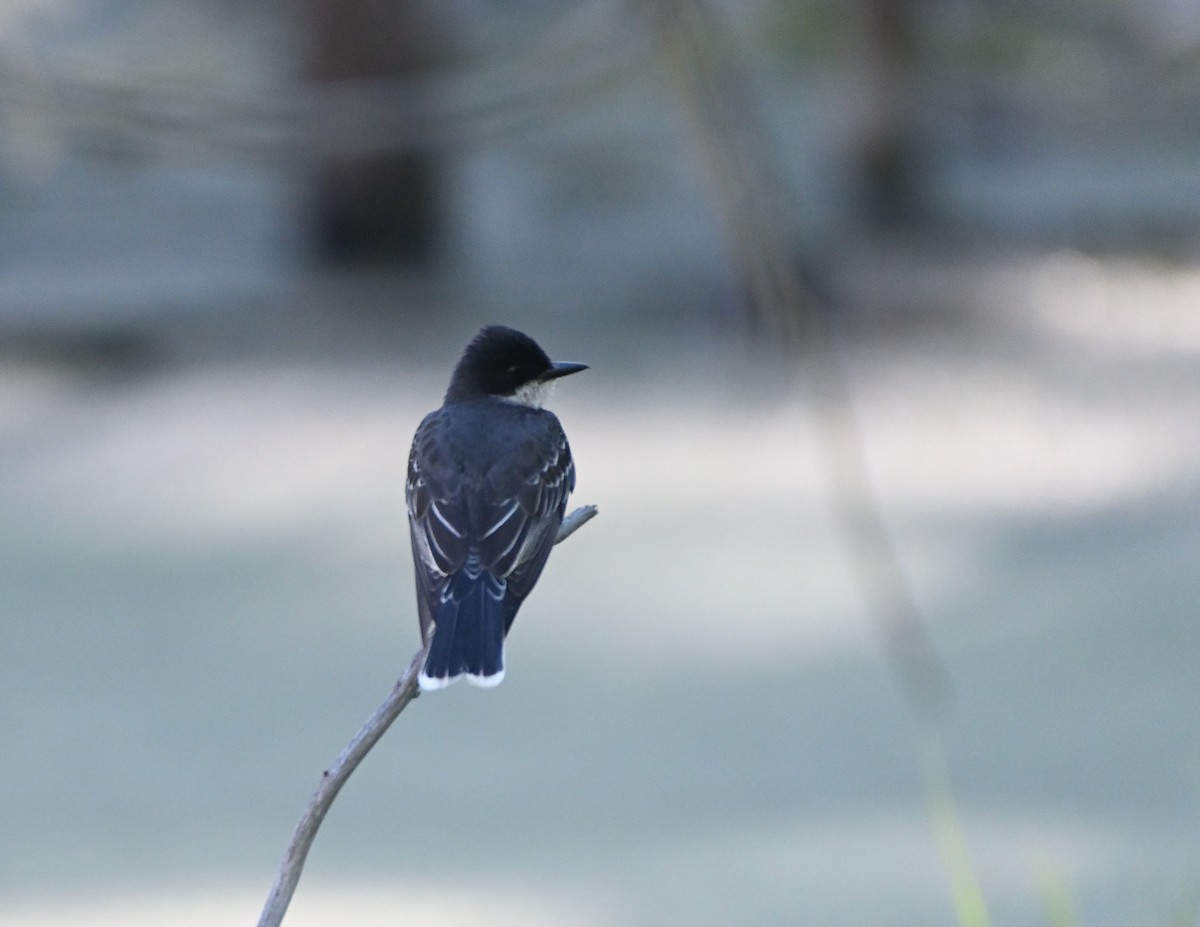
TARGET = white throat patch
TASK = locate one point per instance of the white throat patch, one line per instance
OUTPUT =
(533, 394)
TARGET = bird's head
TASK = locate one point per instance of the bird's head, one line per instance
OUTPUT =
(505, 364)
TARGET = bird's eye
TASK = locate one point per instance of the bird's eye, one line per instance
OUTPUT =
(513, 369)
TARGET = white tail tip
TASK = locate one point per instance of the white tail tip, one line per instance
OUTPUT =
(486, 682)
(433, 683)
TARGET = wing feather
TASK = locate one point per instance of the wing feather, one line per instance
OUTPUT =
(503, 521)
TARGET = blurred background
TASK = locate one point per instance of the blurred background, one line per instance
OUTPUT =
(892, 313)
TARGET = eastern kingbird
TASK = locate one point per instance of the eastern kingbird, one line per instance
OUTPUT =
(488, 480)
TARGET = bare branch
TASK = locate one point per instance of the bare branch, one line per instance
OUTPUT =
(332, 780)
(574, 521)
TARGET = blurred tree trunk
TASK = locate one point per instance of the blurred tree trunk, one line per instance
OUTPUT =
(384, 205)
(886, 49)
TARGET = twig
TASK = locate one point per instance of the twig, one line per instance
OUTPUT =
(574, 521)
(332, 780)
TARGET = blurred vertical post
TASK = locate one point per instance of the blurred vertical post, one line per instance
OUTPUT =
(749, 188)
(718, 108)
(884, 54)
(380, 202)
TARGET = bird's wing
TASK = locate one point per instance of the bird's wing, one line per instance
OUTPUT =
(438, 518)
(505, 525)
(519, 529)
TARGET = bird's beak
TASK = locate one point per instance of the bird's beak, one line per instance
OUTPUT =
(562, 369)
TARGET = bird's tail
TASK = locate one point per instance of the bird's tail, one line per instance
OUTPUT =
(468, 637)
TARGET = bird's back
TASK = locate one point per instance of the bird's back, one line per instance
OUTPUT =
(487, 487)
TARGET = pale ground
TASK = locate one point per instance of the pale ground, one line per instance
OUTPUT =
(207, 589)
(206, 579)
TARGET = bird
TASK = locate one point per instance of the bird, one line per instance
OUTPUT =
(489, 475)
